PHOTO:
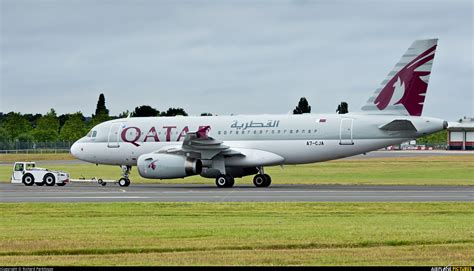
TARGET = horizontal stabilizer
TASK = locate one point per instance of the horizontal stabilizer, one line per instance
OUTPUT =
(398, 125)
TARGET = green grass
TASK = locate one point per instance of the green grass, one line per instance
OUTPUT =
(436, 234)
(35, 157)
(435, 170)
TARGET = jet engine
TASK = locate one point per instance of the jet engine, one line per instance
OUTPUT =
(167, 166)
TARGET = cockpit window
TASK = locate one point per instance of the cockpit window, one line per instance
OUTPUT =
(89, 134)
(94, 133)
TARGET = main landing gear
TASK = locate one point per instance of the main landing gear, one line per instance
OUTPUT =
(262, 179)
(125, 181)
(225, 181)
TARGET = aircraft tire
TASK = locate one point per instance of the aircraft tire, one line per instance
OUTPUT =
(268, 180)
(124, 182)
(259, 180)
(224, 181)
(231, 181)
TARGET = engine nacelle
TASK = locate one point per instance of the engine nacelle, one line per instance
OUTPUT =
(167, 166)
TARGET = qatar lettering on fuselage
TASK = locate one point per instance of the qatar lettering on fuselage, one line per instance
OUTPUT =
(134, 135)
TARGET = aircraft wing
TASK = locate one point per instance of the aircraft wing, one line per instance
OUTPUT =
(200, 145)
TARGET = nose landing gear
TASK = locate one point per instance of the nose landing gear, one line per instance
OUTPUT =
(125, 181)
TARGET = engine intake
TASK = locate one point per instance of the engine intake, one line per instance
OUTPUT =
(167, 166)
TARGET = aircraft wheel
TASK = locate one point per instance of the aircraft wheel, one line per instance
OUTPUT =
(124, 182)
(268, 180)
(224, 181)
(231, 181)
(28, 179)
(49, 179)
(262, 180)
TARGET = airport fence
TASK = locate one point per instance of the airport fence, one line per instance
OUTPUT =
(65, 146)
(35, 147)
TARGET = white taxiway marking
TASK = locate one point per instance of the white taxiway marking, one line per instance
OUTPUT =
(230, 196)
(245, 191)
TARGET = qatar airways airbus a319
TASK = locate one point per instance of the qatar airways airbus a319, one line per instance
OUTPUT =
(228, 147)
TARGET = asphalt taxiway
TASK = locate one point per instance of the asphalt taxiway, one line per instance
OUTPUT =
(90, 192)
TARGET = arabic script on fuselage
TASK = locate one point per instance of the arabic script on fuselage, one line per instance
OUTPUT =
(254, 124)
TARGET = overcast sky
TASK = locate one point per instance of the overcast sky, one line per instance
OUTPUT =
(224, 57)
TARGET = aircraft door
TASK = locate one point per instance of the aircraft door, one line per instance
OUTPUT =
(345, 132)
(114, 135)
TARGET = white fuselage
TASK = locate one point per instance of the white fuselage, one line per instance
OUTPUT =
(297, 139)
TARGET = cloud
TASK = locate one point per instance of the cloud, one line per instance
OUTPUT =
(233, 57)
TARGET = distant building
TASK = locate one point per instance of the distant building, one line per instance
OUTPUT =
(461, 134)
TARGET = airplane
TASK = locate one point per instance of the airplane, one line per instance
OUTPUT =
(228, 147)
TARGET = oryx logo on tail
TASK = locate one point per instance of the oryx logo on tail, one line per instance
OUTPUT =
(407, 87)
(403, 90)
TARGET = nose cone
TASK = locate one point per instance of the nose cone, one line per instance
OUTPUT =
(76, 150)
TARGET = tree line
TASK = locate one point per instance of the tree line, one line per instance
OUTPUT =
(51, 127)
(17, 127)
